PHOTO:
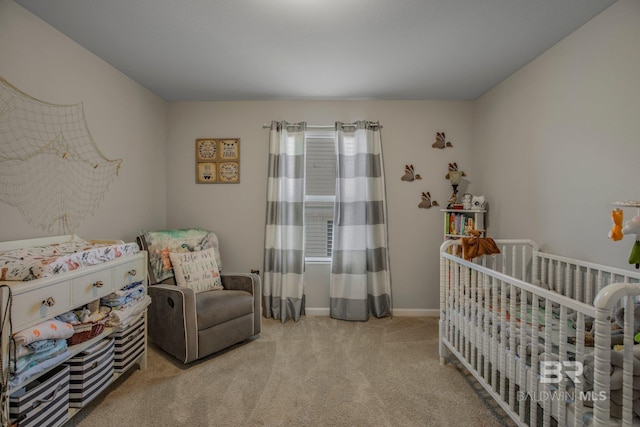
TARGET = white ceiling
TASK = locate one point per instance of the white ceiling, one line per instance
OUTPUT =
(214, 50)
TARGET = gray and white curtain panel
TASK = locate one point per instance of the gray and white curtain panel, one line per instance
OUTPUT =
(360, 276)
(283, 295)
(360, 282)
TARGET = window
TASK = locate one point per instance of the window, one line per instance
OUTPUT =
(320, 194)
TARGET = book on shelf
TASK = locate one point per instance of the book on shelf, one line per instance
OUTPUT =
(458, 223)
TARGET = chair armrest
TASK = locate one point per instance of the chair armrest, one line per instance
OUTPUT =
(241, 282)
(251, 283)
(173, 321)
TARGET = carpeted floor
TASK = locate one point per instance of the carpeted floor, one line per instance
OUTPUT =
(315, 372)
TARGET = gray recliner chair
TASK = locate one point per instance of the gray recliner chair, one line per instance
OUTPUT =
(191, 325)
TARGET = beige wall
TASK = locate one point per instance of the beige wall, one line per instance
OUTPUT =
(125, 120)
(550, 147)
(236, 211)
(558, 141)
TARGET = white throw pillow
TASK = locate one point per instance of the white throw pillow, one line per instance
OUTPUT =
(196, 270)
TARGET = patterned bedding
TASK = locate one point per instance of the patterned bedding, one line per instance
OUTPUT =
(49, 260)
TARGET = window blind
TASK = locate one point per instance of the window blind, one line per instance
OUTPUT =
(320, 193)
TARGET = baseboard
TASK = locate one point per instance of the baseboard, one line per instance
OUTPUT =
(316, 311)
(400, 312)
(416, 312)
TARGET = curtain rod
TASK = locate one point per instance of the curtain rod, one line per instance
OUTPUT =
(319, 127)
(312, 127)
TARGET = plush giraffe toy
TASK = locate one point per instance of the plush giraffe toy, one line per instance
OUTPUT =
(616, 229)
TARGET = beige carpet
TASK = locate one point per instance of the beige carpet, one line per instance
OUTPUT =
(316, 372)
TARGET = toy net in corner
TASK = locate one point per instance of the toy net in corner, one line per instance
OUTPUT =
(50, 167)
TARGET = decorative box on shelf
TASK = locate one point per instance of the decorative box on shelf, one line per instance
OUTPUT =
(129, 345)
(91, 372)
(42, 402)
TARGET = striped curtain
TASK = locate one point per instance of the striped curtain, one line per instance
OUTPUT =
(360, 276)
(283, 296)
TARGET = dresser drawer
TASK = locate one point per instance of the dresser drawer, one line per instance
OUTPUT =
(40, 304)
(129, 272)
(92, 286)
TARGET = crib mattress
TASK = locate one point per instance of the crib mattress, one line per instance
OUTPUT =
(49, 260)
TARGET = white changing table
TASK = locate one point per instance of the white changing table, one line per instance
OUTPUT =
(41, 299)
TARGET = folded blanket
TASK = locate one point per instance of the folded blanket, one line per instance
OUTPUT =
(115, 300)
(132, 289)
(41, 346)
(18, 379)
(25, 362)
(125, 317)
(49, 329)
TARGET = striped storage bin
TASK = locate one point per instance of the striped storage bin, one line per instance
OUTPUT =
(43, 402)
(91, 372)
(130, 344)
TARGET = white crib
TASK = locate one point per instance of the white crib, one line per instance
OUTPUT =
(517, 321)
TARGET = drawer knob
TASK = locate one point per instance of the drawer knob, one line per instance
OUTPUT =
(132, 272)
(98, 284)
(49, 302)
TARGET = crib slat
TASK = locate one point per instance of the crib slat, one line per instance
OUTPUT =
(546, 405)
(473, 308)
(579, 386)
(627, 381)
(486, 347)
(512, 347)
(578, 284)
(522, 361)
(600, 281)
(568, 290)
(588, 287)
(563, 356)
(533, 383)
(503, 338)
(514, 263)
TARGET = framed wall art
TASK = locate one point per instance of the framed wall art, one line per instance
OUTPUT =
(206, 172)
(217, 160)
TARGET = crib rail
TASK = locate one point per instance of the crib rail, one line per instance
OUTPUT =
(514, 325)
(576, 279)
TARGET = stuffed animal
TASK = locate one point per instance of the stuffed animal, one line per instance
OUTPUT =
(619, 317)
(478, 203)
(164, 257)
(633, 227)
(466, 201)
(616, 229)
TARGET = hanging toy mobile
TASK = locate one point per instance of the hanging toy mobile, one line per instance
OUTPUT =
(631, 227)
